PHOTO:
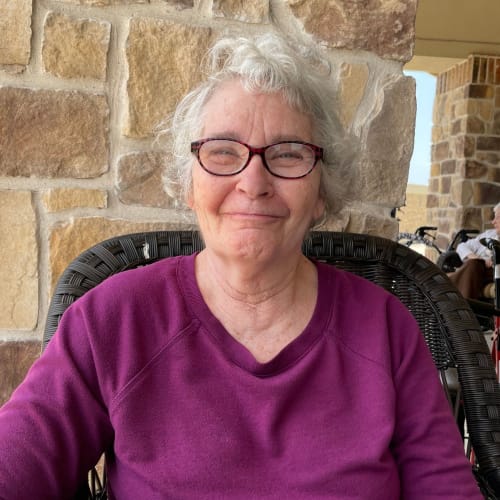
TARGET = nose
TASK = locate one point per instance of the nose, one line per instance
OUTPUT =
(255, 180)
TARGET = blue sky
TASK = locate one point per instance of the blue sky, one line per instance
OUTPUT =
(421, 160)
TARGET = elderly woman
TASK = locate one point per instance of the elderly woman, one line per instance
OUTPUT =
(246, 371)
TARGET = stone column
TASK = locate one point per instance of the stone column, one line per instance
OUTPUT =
(465, 172)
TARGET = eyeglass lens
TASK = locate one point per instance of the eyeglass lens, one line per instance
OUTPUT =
(227, 157)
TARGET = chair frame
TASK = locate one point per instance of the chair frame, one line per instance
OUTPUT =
(455, 340)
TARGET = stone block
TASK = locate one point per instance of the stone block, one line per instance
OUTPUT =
(434, 185)
(464, 146)
(488, 143)
(16, 359)
(385, 28)
(432, 200)
(448, 167)
(440, 151)
(474, 169)
(460, 108)
(59, 199)
(140, 180)
(256, 11)
(53, 134)
(75, 48)
(352, 87)
(444, 199)
(68, 240)
(472, 218)
(437, 134)
(15, 32)
(103, 3)
(19, 268)
(370, 222)
(435, 169)
(489, 157)
(385, 167)
(486, 193)
(177, 4)
(493, 175)
(164, 64)
(445, 184)
(437, 108)
(474, 125)
(457, 127)
(484, 110)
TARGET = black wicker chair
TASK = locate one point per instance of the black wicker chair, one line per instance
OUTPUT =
(445, 318)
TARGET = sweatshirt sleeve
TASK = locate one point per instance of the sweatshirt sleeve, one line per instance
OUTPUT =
(55, 426)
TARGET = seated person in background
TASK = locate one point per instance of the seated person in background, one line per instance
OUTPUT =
(245, 371)
(476, 272)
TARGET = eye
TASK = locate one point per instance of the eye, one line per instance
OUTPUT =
(289, 153)
(223, 152)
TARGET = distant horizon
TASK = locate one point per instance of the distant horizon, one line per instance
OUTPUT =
(420, 164)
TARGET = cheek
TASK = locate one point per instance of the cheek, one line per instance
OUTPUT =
(207, 193)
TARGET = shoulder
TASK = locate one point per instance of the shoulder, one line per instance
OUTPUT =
(120, 325)
(366, 319)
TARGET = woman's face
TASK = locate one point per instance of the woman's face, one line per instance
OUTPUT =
(254, 214)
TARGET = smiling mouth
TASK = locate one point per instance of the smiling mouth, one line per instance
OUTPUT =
(253, 215)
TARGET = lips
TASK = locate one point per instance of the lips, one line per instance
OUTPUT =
(256, 215)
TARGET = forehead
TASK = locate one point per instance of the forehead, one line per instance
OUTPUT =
(236, 111)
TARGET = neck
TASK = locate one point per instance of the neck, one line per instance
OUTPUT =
(248, 281)
(263, 307)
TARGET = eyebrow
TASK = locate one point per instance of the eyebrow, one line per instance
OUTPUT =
(274, 140)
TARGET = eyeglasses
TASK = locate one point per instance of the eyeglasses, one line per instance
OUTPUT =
(286, 159)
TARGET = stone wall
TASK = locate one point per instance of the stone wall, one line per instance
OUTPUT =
(465, 171)
(83, 83)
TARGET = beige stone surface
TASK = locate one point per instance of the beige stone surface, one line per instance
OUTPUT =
(15, 31)
(413, 213)
(352, 87)
(385, 27)
(163, 59)
(179, 4)
(15, 360)
(103, 3)
(485, 193)
(254, 11)
(140, 180)
(19, 267)
(68, 240)
(48, 133)
(59, 199)
(461, 193)
(372, 223)
(389, 145)
(75, 48)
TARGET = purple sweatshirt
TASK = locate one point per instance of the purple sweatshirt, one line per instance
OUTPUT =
(141, 369)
